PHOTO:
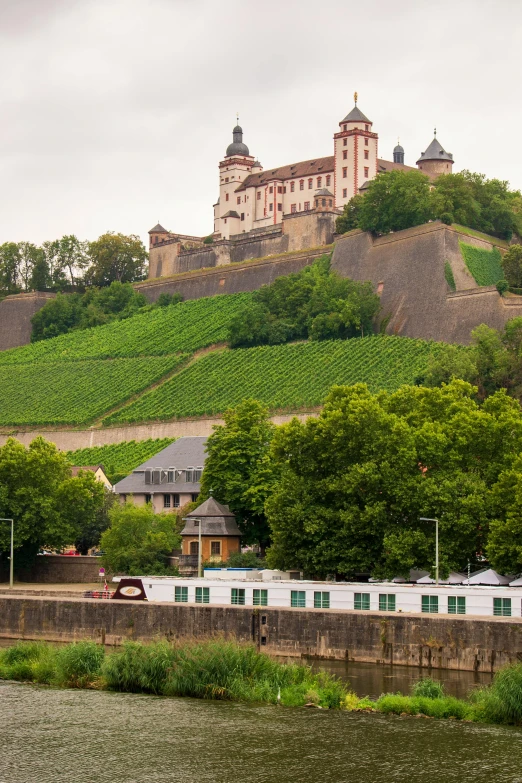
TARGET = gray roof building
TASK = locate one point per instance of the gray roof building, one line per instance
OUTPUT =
(435, 151)
(177, 468)
(356, 115)
(217, 520)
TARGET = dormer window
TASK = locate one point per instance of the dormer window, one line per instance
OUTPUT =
(344, 127)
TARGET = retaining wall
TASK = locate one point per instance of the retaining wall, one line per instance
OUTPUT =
(466, 643)
(52, 569)
(16, 312)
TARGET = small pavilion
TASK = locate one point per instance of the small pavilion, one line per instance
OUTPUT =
(220, 535)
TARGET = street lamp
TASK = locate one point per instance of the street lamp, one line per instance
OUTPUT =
(11, 559)
(198, 522)
(426, 519)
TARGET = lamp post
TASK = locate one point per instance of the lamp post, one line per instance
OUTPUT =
(427, 519)
(198, 522)
(11, 559)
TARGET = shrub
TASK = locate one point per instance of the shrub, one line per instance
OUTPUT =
(79, 665)
(428, 688)
(139, 668)
(501, 702)
(448, 274)
(502, 286)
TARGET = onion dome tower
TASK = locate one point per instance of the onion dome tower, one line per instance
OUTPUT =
(398, 153)
(435, 160)
(237, 147)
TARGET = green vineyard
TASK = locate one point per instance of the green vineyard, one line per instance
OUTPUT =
(119, 459)
(285, 377)
(184, 327)
(75, 392)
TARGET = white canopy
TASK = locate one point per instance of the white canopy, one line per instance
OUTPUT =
(516, 582)
(454, 578)
(487, 576)
(415, 575)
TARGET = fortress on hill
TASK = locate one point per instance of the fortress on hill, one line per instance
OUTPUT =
(293, 206)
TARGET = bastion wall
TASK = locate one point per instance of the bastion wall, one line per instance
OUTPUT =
(467, 643)
(16, 312)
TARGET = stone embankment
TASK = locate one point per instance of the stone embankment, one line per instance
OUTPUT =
(466, 643)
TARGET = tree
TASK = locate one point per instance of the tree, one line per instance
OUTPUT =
(116, 257)
(40, 276)
(395, 200)
(96, 522)
(57, 316)
(70, 255)
(36, 489)
(350, 216)
(9, 268)
(138, 541)
(238, 469)
(512, 266)
(314, 303)
(29, 256)
(504, 548)
(454, 202)
(352, 485)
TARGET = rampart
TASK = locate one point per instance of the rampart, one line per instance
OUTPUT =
(16, 312)
(407, 269)
(467, 643)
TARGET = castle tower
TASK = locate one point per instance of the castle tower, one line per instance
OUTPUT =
(233, 170)
(355, 155)
(435, 160)
(323, 200)
(398, 154)
(157, 234)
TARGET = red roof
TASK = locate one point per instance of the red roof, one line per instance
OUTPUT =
(293, 171)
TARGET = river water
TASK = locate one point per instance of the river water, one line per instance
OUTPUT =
(66, 736)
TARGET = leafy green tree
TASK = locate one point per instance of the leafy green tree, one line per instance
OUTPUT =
(512, 266)
(504, 548)
(238, 469)
(40, 276)
(36, 489)
(352, 484)
(29, 255)
(453, 200)
(57, 316)
(315, 303)
(138, 541)
(9, 266)
(116, 257)
(95, 523)
(350, 216)
(396, 200)
(448, 362)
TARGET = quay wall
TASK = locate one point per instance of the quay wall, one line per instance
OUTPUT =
(466, 643)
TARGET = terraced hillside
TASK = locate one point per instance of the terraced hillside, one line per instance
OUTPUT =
(119, 459)
(147, 369)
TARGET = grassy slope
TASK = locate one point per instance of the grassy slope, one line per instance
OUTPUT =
(484, 265)
(287, 377)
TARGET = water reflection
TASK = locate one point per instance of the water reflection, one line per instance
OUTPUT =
(53, 736)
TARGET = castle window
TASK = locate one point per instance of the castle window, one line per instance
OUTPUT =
(279, 207)
(344, 127)
(366, 142)
(239, 199)
(328, 180)
(293, 208)
(242, 216)
(330, 202)
(280, 189)
(310, 184)
(345, 192)
(259, 196)
(225, 220)
(226, 196)
(301, 184)
(345, 142)
(366, 127)
(226, 179)
(366, 171)
(306, 205)
(271, 206)
(323, 202)
(345, 171)
(319, 180)
(345, 154)
(271, 189)
(292, 187)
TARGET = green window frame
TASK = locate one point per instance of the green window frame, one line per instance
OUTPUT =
(430, 604)
(387, 602)
(260, 597)
(202, 595)
(238, 596)
(321, 600)
(298, 598)
(456, 604)
(502, 607)
(361, 601)
(181, 595)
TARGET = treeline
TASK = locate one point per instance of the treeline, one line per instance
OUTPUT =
(315, 303)
(399, 199)
(69, 264)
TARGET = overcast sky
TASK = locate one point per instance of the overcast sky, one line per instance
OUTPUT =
(114, 114)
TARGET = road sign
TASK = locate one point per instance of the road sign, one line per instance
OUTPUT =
(101, 572)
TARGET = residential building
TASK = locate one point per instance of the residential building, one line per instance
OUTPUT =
(98, 470)
(220, 535)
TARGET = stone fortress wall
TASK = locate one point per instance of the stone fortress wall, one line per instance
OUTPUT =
(16, 312)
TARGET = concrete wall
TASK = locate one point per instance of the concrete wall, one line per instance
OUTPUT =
(408, 270)
(466, 643)
(53, 569)
(15, 317)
